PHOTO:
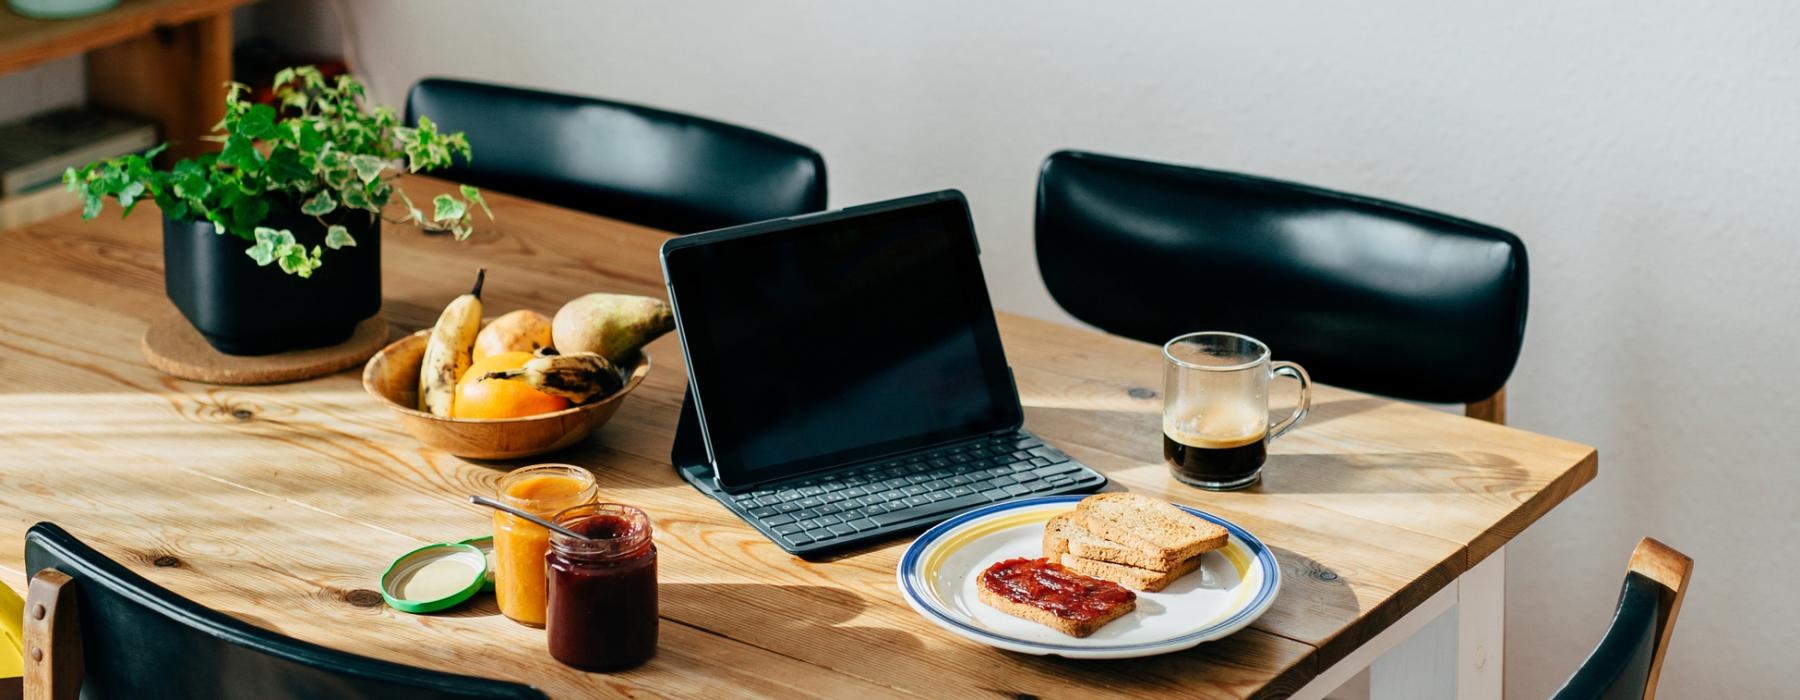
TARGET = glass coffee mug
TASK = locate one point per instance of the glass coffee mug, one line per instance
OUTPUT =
(1216, 427)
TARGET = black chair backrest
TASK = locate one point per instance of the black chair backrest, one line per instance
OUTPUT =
(1366, 294)
(141, 641)
(1619, 668)
(661, 169)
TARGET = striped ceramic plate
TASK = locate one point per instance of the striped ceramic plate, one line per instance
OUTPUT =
(938, 575)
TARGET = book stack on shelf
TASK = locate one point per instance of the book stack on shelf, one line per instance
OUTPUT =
(36, 150)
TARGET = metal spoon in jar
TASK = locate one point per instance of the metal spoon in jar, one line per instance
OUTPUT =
(491, 503)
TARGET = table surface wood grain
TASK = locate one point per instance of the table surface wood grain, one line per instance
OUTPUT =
(281, 505)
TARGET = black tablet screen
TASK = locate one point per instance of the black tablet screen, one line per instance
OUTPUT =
(845, 339)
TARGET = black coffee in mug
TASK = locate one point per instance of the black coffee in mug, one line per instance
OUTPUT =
(1202, 460)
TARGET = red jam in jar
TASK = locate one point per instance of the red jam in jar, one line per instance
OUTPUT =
(601, 614)
(1050, 587)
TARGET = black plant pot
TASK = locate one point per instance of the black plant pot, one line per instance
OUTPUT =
(245, 309)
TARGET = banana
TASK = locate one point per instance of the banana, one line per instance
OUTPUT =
(447, 352)
(577, 377)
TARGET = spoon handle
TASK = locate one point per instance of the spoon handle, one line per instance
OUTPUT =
(553, 527)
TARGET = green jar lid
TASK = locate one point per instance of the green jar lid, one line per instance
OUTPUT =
(485, 543)
(434, 577)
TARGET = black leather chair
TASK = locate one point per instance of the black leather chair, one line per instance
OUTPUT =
(116, 635)
(661, 169)
(1366, 294)
(1628, 660)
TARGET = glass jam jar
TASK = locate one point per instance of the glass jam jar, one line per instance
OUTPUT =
(602, 613)
(543, 490)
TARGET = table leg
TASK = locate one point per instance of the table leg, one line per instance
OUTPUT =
(1481, 630)
(1452, 645)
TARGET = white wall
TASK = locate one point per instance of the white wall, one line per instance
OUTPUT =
(1647, 153)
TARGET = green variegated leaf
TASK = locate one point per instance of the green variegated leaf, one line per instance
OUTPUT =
(474, 195)
(337, 236)
(355, 198)
(447, 208)
(368, 167)
(320, 205)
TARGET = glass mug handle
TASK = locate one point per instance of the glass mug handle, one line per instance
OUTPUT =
(1298, 373)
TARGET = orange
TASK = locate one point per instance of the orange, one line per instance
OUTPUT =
(477, 397)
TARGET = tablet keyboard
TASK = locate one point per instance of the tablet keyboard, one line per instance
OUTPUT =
(875, 500)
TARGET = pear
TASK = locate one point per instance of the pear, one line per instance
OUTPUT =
(614, 326)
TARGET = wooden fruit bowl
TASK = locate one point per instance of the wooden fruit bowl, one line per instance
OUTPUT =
(392, 376)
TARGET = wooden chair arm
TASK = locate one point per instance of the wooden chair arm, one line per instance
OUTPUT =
(53, 662)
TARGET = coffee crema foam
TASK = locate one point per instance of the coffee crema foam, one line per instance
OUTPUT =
(1219, 429)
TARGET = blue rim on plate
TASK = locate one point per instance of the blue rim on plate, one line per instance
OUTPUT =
(913, 585)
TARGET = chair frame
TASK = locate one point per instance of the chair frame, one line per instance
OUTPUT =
(1491, 409)
(1662, 564)
(53, 661)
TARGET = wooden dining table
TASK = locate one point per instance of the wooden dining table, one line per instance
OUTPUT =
(281, 505)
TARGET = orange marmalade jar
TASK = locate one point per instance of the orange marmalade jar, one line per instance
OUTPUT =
(519, 545)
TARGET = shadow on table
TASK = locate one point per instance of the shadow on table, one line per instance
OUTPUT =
(1386, 472)
(765, 614)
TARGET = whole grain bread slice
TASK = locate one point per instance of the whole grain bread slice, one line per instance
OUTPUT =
(1073, 628)
(1063, 535)
(1131, 576)
(1144, 523)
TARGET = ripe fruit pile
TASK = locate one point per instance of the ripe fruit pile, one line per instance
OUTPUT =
(524, 364)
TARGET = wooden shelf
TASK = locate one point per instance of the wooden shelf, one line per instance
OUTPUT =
(25, 42)
(165, 59)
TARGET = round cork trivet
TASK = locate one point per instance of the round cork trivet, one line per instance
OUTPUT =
(175, 348)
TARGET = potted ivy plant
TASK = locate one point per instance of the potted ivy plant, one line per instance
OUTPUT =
(273, 242)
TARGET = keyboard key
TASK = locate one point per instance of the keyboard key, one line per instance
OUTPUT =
(762, 512)
(961, 491)
(874, 510)
(810, 490)
(938, 495)
(1025, 477)
(940, 507)
(958, 480)
(1055, 469)
(994, 494)
(786, 506)
(841, 529)
(1060, 480)
(1039, 462)
(798, 538)
(787, 529)
(820, 534)
(855, 491)
(811, 502)
(862, 524)
(999, 482)
(778, 520)
(1017, 490)
(805, 514)
(914, 490)
(916, 500)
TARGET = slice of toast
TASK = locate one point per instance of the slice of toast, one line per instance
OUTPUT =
(1141, 522)
(1131, 576)
(1063, 535)
(1072, 626)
